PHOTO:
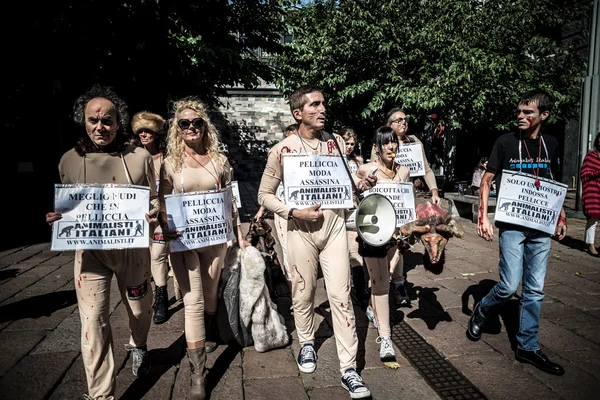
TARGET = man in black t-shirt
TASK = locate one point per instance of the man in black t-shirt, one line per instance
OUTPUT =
(523, 251)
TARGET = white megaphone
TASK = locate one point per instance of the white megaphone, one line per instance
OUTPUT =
(374, 219)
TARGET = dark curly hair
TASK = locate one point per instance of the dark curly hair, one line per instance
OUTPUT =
(85, 145)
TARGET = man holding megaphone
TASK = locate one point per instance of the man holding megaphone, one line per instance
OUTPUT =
(318, 186)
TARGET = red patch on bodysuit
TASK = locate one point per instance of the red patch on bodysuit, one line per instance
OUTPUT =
(284, 150)
(301, 281)
(330, 146)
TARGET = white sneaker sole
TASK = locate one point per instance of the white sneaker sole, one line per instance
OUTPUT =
(361, 395)
(309, 370)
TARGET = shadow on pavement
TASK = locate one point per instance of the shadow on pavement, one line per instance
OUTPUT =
(569, 241)
(430, 309)
(325, 330)
(162, 360)
(220, 367)
(8, 273)
(38, 306)
(508, 312)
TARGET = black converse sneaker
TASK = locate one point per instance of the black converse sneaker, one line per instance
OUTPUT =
(353, 383)
(307, 359)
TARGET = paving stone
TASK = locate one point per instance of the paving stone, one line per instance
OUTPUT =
(328, 365)
(35, 375)
(573, 319)
(328, 393)
(584, 359)
(156, 385)
(37, 312)
(275, 389)
(573, 297)
(271, 364)
(65, 338)
(401, 383)
(11, 354)
(229, 386)
(451, 340)
(578, 283)
(560, 339)
(574, 384)
(501, 378)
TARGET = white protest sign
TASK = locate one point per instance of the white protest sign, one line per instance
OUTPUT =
(236, 194)
(522, 203)
(411, 156)
(100, 217)
(203, 218)
(311, 179)
(352, 165)
(402, 197)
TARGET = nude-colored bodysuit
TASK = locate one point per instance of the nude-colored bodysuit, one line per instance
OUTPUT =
(309, 243)
(159, 248)
(94, 269)
(379, 268)
(197, 271)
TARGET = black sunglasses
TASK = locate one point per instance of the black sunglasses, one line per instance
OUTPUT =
(185, 123)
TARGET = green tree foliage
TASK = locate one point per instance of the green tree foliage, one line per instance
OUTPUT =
(467, 60)
(151, 51)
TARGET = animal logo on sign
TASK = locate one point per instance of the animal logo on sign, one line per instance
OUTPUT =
(504, 206)
(66, 231)
(294, 195)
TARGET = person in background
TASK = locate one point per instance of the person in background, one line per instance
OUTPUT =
(103, 156)
(590, 198)
(194, 164)
(351, 139)
(382, 259)
(149, 131)
(478, 174)
(396, 119)
(280, 223)
(359, 273)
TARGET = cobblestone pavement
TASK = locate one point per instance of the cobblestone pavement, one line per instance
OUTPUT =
(40, 334)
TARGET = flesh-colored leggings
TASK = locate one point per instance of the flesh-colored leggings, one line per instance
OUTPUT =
(159, 255)
(327, 243)
(379, 274)
(198, 272)
(281, 230)
(93, 273)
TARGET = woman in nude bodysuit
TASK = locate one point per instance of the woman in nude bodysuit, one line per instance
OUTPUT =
(194, 164)
(380, 265)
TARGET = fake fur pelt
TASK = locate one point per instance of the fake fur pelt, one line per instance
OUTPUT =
(257, 312)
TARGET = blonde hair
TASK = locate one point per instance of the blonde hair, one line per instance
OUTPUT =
(210, 140)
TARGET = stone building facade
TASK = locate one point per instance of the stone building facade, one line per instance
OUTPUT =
(250, 122)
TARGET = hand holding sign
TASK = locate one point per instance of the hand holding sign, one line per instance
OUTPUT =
(312, 213)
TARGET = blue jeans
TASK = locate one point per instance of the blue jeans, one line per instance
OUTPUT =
(522, 255)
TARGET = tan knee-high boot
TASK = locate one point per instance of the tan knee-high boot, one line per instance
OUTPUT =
(197, 359)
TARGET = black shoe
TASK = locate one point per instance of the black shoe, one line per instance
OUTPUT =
(161, 304)
(539, 360)
(400, 296)
(212, 333)
(475, 325)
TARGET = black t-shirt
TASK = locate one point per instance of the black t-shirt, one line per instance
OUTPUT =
(505, 155)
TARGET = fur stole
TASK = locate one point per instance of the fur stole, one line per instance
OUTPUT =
(257, 312)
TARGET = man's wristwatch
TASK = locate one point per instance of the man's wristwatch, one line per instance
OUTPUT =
(291, 213)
